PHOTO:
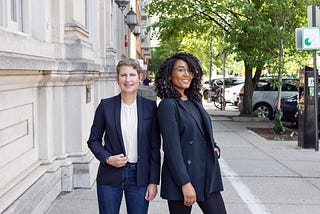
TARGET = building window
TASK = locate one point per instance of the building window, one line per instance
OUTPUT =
(143, 18)
(14, 10)
(87, 14)
(17, 15)
(143, 39)
(3, 12)
(144, 6)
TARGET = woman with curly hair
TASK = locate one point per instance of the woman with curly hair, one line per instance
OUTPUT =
(190, 171)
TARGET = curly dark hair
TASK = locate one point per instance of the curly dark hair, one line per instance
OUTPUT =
(164, 87)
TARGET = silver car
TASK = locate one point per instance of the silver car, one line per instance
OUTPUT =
(265, 95)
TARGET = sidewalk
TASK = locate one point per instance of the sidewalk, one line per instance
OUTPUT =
(260, 176)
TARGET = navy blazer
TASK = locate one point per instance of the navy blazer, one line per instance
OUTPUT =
(107, 125)
(188, 150)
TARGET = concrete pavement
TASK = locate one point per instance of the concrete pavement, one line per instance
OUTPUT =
(259, 175)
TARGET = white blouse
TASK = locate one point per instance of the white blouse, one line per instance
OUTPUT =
(129, 129)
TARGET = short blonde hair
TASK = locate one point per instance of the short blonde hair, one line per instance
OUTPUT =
(128, 62)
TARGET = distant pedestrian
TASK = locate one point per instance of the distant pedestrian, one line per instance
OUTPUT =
(146, 81)
(190, 171)
(125, 139)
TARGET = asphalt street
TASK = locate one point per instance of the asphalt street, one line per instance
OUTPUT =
(260, 176)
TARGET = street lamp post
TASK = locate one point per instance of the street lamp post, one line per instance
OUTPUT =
(224, 57)
(131, 19)
(137, 30)
(122, 4)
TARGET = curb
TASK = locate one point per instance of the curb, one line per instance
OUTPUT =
(250, 119)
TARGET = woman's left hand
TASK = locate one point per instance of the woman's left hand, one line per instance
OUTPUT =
(189, 194)
(151, 192)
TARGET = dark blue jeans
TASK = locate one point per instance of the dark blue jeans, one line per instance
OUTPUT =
(109, 197)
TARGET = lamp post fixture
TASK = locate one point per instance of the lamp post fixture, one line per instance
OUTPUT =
(122, 4)
(131, 19)
(137, 30)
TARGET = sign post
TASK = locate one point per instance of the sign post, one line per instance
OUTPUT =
(309, 39)
(314, 40)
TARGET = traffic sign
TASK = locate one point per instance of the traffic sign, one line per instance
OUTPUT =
(311, 38)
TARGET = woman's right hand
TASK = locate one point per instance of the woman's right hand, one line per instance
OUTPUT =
(189, 194)
(118, 160)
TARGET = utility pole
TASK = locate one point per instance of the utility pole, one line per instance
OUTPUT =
(210, 67)
(316, 79)
(210, 70)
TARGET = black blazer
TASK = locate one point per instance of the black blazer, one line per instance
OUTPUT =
(106, 125)
(188, 150)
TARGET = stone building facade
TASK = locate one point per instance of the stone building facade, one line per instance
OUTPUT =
(57, 60)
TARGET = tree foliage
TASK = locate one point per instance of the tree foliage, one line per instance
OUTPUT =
(163, 51)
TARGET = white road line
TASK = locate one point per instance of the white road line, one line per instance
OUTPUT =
(253, 203)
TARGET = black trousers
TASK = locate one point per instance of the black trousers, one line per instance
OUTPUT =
(213, 204)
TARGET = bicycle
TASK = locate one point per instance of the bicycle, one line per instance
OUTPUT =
(218, 99)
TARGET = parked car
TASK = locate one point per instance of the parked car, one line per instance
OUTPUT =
(265, 95)
(218, 83)
(289, 108)
(232, 94)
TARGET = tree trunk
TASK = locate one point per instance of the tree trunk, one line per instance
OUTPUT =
(256, 77)
(247, 92)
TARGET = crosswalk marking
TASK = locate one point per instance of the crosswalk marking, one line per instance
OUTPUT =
(253, 203)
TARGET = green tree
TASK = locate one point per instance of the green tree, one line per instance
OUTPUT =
(196, 44)
(163, 51)
(264, 37)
